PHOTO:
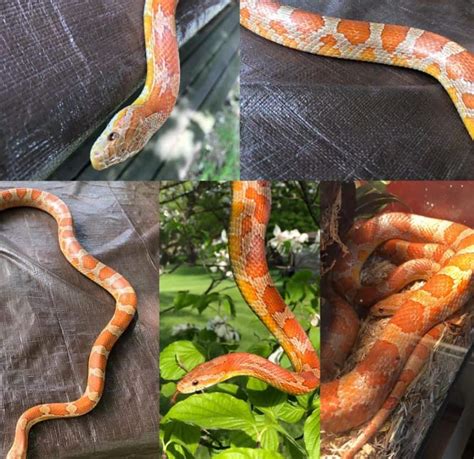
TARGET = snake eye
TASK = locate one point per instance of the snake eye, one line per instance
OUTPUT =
(195, 382)
(113, 136)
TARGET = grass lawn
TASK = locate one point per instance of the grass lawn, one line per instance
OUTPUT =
(196, 280)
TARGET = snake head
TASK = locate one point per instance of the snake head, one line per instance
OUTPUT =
(125, 135)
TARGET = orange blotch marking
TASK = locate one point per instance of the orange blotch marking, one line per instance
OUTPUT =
(97, 361)
(256, 265)
(368, 54)
(105, 273)
(129, 299)
(329, 47)
(74, 247)
(468, 100)
(421, 351)
(400, 61)
(273, 300)
(21, 192)
(392, 36)
(120, 283)
(439, 286)
(433, 70)
(292, 328)
(246, 226)
(452, 232)
(307, 23)
(428, 44)
(356, 32)
(244, 14)
(7, 196)
(35, 194)
(412, 320)
(89, 262)
(461, 66)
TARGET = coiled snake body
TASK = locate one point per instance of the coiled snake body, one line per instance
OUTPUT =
(99, 273)
(372, 389)
(448, 62)
(249, 217)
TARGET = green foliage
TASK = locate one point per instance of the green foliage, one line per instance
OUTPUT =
(372, 198)
(242, 417)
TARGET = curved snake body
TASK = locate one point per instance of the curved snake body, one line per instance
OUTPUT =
(445, 60)
(249, 217)
(372, 389)
(132, 127)
(99, 273)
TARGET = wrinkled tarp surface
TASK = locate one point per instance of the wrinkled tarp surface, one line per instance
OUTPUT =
(306, 116)
(50, 315)
(66, 66)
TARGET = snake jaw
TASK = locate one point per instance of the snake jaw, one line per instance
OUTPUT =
(113, 145)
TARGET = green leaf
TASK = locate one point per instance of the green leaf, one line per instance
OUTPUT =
(186, 353)
(214, 411)
(311, 435)
(248, 453)
(269, 439)
(183, 434)
(315, 336)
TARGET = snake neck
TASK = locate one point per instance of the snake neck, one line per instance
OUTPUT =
(161, 87)
(250, 212)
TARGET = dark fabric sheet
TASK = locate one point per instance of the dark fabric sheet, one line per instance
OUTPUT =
(306, 116)
(66, 66)
(50, 315)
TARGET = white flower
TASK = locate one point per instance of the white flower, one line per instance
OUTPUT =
(286, 242)
(222, 329)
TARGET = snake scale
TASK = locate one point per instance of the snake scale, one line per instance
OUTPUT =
(250, 212)
(372, 389)
(99, 273)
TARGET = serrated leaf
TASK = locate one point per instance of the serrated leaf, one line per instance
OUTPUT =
(214, 411)
(183, 434)
(186, 353)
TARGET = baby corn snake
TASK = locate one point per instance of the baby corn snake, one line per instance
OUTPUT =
(250, 212)
(101, 274)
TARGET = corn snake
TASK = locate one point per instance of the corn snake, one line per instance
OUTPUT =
(114, 283)
(250, 212)
(132, 127)
(445, 60)
(373, 388)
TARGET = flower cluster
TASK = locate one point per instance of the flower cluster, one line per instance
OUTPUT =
(222, 329)
(286, 242)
